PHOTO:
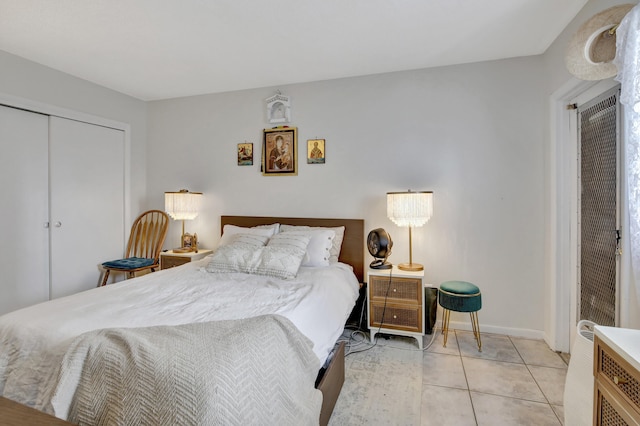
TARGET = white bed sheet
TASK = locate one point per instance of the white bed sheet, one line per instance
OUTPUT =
(33, 340)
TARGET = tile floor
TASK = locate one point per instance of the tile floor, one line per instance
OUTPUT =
(513, 381)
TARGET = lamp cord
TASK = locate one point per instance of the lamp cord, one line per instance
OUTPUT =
(384, 306)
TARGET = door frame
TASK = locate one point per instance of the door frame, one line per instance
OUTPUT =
(562, 219)
(52, 110)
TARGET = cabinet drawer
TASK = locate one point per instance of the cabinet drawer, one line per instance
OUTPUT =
(167, 262)
(401, 289)
(608, 411)
(615, 371)
(400, 317)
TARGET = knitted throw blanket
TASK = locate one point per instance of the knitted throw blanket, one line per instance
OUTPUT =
(256, 371)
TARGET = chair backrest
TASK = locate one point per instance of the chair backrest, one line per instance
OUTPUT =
(147, 235)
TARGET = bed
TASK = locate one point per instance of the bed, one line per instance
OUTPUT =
(192, 318)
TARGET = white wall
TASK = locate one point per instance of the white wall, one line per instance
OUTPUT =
(473, 134)
(33, 82)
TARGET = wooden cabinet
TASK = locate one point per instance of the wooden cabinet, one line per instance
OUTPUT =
(396, 303)
(617, 377)
(169, 259)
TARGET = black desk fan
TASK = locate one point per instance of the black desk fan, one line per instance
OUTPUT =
(379, 244)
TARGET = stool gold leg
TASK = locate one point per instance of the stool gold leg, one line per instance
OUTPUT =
(445, 325)
(475, 324)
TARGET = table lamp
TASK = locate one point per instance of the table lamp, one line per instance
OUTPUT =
(183, 205)
(410, 209)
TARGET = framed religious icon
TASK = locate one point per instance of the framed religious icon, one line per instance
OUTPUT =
(189, 243)
(278, 109)
(280, 152)
(245, 154)
(315, 151)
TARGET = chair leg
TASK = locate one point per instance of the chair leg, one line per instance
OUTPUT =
(475, 324)
(445, 325)
(105, 278)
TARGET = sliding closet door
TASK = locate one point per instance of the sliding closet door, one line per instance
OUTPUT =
(24, 252)
(87, 202)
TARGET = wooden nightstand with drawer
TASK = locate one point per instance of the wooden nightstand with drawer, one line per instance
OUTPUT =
(396, 303)
(169, 259)
(617, 376)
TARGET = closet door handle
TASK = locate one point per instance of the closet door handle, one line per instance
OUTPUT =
(58, 224)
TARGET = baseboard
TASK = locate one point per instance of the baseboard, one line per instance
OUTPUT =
(508, 331)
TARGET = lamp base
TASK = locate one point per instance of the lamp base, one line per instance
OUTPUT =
(411, 267)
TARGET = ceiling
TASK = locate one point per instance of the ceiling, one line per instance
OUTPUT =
(159, 49)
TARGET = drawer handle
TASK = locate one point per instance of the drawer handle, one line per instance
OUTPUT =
(618, 381)
(395, 317)
(394, 290)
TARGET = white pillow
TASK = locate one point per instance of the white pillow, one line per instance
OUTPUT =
(274, 226)
(234, 258)
(250, 240)
(336, 244)
(229, 230)
(319, 247)
(281, 260)
(291, 240)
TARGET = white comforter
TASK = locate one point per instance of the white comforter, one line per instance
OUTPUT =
(33, 340)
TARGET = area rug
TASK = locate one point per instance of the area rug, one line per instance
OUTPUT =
(383, 386)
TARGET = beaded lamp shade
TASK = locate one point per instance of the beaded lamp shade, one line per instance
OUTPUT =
(182, 205)
(410, 209)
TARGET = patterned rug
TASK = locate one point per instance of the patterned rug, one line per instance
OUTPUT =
(383, 385)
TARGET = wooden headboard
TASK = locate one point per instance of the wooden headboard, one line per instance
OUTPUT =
(352, 251)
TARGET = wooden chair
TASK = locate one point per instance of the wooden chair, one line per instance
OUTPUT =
(143, 249)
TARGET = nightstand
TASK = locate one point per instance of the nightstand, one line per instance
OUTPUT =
(395, 303)
(616, 366)
(169, 259)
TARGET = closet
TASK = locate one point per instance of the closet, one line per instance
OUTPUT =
(62, 211)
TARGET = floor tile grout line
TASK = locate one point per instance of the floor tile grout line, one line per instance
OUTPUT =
(511, 397)
(535, 381)
(464, 371)
(543, 394)
(529, 370)
(494, 360)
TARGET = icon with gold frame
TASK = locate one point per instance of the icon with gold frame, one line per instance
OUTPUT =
(189, 243)
(315, 151)
(245, 154)
(280, 152)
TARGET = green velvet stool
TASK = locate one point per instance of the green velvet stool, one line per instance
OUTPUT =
(460, 296)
